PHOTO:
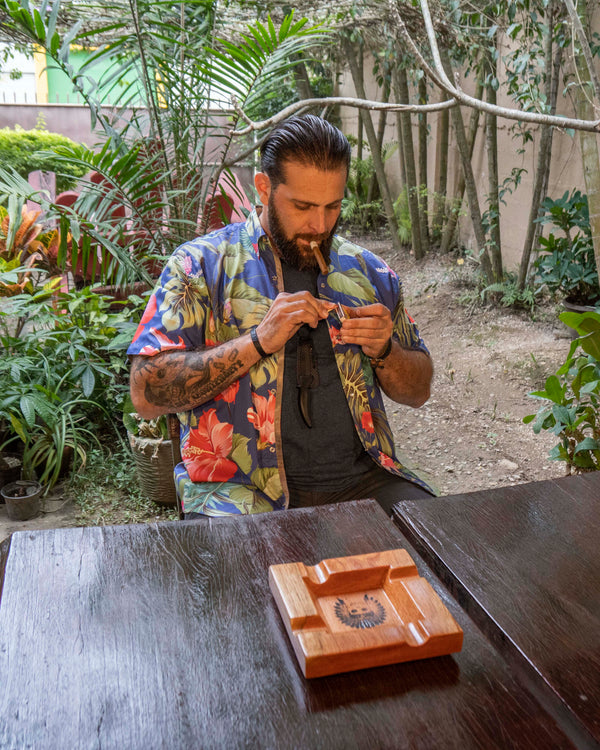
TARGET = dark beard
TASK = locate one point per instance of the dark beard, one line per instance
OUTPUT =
(288, 248)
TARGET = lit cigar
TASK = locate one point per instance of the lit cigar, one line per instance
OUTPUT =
(314, 246)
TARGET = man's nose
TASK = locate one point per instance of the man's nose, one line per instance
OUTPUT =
(317, 221)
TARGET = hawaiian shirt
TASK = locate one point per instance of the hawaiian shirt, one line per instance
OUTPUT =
(214, 289)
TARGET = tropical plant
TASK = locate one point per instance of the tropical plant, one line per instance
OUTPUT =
(64, 373)
(54, 433)
(566, 264)
(163, 164)
(572, 398)
(155, 429)
(508, 294)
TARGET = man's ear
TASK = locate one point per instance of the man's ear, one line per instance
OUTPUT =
(263, 187)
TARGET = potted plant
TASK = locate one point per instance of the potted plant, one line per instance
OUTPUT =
(153, 455)
(566, 266)
(22, 499)
(572, 397)
(53, 432)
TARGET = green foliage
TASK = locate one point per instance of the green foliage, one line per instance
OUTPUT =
(566, 265)
(28, 150)
(402, 212)
(358, 212)
(106, 491)
(508, 294)
(145, 428)
(64, 374)
(161, 164)
(572, 398)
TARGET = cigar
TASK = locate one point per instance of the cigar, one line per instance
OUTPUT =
(314, 246)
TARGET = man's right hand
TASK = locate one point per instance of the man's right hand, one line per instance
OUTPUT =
(286, 315)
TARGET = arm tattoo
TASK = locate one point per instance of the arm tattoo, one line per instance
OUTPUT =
(181, 380)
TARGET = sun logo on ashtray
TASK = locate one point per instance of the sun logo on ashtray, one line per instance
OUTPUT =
(364, 615)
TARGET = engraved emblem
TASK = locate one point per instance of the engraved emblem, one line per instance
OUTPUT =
(367, 615)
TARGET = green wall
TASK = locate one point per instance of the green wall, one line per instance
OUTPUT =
(60, 88)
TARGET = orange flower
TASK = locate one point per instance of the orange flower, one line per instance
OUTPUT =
(206, 454)
(262, 416)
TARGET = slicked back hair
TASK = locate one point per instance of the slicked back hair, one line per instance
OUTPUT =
(308, 140)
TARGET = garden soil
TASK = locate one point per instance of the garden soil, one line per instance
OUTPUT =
(470, 435)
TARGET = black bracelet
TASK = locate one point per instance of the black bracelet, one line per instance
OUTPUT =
(378, 361)
(256, 342)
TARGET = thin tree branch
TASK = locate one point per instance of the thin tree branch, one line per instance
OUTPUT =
(331, 101)
(439, 76)
(585, 48)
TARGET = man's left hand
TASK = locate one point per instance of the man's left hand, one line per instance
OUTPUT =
(369, 327)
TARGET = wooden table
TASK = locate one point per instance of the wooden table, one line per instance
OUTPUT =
(524, 562)
(167, 636)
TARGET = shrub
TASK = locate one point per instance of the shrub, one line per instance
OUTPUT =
(566, 265)
(28, 150)
(571, 398)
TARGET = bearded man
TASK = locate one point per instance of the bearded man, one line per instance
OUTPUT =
(273, 339)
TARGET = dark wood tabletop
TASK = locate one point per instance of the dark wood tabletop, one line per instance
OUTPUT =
(524, 562)
(167, 636)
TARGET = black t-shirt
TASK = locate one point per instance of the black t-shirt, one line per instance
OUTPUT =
(329, 455)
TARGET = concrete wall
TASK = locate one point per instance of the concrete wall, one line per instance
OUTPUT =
(72, 120)
(566, 168)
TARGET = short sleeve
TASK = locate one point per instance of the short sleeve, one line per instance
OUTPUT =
(177, 311)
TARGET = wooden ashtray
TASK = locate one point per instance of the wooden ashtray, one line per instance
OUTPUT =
(363, 611)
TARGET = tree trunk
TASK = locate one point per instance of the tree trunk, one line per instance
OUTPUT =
(491, 141)
(422, 192)
(360, 134)
(401, 90)
(302, 80)
(388, 206)
(373, 186)
(589, 141)
(470, 184)
(441, 161)
(457, 198)
(542, 172)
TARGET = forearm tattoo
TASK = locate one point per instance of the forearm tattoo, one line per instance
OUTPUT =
(179, 381)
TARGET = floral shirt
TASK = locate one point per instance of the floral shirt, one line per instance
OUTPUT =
(214, 289)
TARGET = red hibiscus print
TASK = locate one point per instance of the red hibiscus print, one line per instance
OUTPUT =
(209, 338)
(229, 394)
(335, 335)
(148, 315)
(367, 421)
(207, 450)
(262, 416)
(385, 460)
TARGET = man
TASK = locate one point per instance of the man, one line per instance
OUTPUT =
(275, 367)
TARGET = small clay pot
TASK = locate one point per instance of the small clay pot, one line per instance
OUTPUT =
(22, 498)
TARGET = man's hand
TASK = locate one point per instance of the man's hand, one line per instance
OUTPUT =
(369, 327)
(286, 315)
(405, 374)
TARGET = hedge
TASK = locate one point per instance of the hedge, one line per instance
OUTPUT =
(23, 150)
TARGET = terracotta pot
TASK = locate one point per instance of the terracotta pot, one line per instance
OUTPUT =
(22, 498)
